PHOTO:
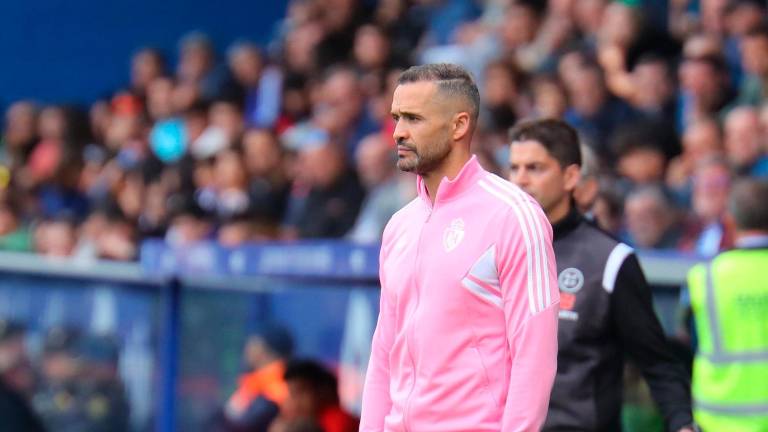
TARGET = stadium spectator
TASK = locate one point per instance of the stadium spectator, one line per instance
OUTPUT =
(99, 386)
(386, 189)
(263, 389)
(711, 232)
(197, 64)
(594, 112)
(19, 134)
(652, 88)
(57, 399)
(56, 237)
(333, 194)
(704, 88)
(147, 64)
(745, 142)
(701, 140)
(16, 373)
(265, 164)
(313, 397)
(651, 219)
(15, 413)
(754, 49)
(14, 234)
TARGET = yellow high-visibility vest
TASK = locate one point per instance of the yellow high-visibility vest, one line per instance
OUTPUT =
(729, 298)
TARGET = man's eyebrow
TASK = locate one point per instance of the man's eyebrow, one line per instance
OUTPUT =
(403, 113)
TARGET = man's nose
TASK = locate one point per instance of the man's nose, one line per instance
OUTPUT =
(519, 177)
(400, 132)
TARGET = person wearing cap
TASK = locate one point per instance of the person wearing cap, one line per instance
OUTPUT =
(262, 390)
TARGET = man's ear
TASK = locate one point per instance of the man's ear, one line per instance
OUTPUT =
(571, 177)
(461, 125)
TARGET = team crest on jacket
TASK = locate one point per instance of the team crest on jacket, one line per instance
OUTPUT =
(570, 280)
(453, 235)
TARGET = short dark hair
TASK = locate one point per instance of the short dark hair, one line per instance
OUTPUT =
(748, 204)
(714, 61)
(644, 135)
(322, 381)
(451, 79)
(758, 31)
(559, 138)
(734, 5)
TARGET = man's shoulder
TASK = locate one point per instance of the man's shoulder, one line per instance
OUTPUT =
(412, 206)
(598, 237)
(398, 218)
(496, 192)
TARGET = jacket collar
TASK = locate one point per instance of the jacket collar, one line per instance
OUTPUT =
(470, 173)
(566, 225)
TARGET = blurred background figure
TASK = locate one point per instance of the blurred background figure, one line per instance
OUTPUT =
(745, 142)
(17, 380)
(710, 231)
(727, 302)
(313, 399)
(387, 189)
(332, 193)
(16, 372)
(100, 387)
(652, 219)
(263, 390)
(58, 399)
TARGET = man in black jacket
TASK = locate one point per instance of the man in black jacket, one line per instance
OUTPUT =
(605, 303)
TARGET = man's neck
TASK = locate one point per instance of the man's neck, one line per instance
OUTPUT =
(450, 169)
(559, 212)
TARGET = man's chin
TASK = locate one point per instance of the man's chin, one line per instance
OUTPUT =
(406, 165)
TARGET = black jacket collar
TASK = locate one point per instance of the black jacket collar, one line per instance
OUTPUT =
(566, 225)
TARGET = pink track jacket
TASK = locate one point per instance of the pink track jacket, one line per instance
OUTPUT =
(467, 333)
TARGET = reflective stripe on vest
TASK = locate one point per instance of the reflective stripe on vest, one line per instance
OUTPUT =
(740, 409)
(718, 355)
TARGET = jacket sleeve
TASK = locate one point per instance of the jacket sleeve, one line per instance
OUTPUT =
(527, 273)
(376, 397)
(644, 341)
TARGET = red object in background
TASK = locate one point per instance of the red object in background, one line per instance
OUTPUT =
(335, 419)
(567, 301)
(387, 129)
(45, 159)
(125, 104)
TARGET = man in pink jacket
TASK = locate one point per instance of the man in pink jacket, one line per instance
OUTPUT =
(467, 333)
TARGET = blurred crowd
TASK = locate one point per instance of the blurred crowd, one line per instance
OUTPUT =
(70, 384)
(293, 139)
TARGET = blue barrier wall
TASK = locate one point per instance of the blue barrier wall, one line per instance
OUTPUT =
(79, 50)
